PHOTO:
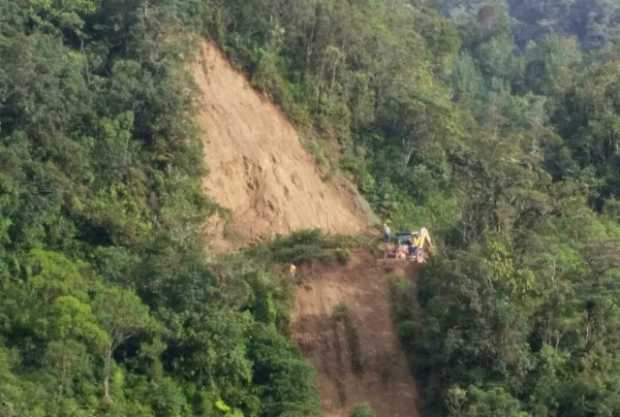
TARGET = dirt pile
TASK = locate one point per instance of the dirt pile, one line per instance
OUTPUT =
(358, 359)
(258, 167)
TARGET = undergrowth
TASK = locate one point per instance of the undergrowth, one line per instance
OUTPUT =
(363, 410)
(306, 246)
(341, 315)
(403, 312)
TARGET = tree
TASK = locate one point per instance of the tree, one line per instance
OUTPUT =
(285, 381)
(123, 315)
(492, 402)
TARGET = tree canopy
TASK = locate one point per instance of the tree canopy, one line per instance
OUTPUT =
(494, 123)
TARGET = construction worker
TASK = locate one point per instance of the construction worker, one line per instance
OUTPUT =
(387, 233)
(292, 272)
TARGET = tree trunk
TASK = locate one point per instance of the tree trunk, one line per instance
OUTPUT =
(107, 368)
(63, 375)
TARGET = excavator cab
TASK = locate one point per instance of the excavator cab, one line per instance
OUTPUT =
(409, 245)
(402, 238)
(396, 246)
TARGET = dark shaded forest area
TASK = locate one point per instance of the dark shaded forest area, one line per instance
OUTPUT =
(495, 124)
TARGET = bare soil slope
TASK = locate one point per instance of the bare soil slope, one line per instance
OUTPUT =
(258, 167)
(260, 172)
(363, 286)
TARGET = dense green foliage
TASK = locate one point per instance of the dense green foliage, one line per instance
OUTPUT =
(107, 305)
(305, 246)
(593, 22)
(499, 131)
(492, 126)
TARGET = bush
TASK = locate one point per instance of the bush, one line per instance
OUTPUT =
(341, 314)
(363, 410)
(402, 299)
(305, 246)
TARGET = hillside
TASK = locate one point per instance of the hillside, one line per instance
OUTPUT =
(271, 185)
(498, 128)
(331, 302)
(493, 123)
(258, 168)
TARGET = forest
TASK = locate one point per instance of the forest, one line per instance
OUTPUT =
(494, 123)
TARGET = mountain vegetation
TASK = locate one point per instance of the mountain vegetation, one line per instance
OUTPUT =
(109, 305)
(498, 126)
(495, 124)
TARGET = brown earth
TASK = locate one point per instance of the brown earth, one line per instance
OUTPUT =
(258, 167)
(363, 286)
(269, 184)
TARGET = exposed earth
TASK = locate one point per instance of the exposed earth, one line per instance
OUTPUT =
(267, 183)
(363, 287)
(259, 170)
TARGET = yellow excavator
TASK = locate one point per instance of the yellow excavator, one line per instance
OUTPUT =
(414, 245)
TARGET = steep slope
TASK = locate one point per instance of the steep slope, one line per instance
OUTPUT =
(269, 183)
(362, 289)
(258, 167)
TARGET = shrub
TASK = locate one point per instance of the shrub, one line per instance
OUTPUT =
(402, 299)
(303, 247)
(341, 314)
(363, 410)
